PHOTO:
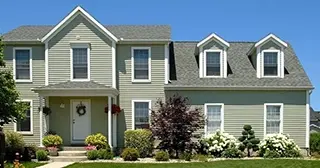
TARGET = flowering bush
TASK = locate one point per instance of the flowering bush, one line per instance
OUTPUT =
(215, 144)
(90, 147)
(98, 140)
(115, 109)
(278, 145)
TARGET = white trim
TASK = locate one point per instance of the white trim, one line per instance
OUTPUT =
(221, 115)
(225, 63)
(133, 112)
(258, 62)
(46, 59)
(80, 45)
(201, 62)
(71, 119)
(114, 126)
(282, 62)
(132, 65)
(312, 125)
(41, 120)
(31, 119)
(71, 16)
(271, 36)
(166, 64)
(110, 121)
(265, 117)
(211, 36)
(307, 118)
(279, 63)
(114, 65)
(14, 64)
(205, 63)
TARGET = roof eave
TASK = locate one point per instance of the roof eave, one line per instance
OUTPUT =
(168, 87)
(210, 37)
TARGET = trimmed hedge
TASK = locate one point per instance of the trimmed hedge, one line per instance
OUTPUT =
(140, 139)
(105, 154)
(130, 154)
(42, 155)
(93, 155)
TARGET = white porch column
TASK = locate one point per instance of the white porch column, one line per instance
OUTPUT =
(41, 119)
(110, 121)
(114, 126)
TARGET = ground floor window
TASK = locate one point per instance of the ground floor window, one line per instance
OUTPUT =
(215, 115)
(141, 113)
(273, 118)
(25, 125)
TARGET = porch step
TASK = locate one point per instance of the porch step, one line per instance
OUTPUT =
(74, 148)
(72, 153)
(68, 158)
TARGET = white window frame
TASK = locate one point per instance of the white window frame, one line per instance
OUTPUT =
(132, 65)
(80, 45)
(205, 63)
(265, 117)
(14, 64)
(31, 118)
(279, 63)
(133, 110)
(221, 115)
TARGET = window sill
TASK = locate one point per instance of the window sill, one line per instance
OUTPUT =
(141, 81)
(271, 77)
(213, 77)
(23, 81)
(25, 133)
(79, 80)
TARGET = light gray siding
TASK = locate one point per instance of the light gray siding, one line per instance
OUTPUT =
(247, 107)
(38, 79)
(137, 91)
(80, 30)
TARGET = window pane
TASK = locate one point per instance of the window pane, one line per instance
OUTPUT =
(80, 63)
(213, 63)
(141, 64)
(141, 112)
(25, 125)
(214, 118)
(270, 63)
(22, 64)
(273, 119)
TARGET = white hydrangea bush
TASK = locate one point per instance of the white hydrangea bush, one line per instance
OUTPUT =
(215, 144)
(278, 145)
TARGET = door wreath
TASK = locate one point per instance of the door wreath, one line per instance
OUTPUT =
(81, 109)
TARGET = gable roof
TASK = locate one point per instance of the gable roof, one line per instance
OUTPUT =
(184, 70)
(314, 115)
(33, 33)
(213, 36)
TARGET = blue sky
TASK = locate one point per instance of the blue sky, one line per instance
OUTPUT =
(247, 20)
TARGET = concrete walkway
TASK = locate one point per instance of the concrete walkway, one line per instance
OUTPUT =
(56, 165)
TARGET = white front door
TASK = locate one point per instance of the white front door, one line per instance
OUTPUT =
(80, 120)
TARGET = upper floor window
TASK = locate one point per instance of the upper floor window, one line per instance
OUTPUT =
(141, 110)
(273, 118)
(215, 115)
(25, 126)
(141, 64)
(213, 63)
(22, 63)
(80, 64)
(271, 63)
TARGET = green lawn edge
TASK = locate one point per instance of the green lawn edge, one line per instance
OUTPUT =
(26, 164)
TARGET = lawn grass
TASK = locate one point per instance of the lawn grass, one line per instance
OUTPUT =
(26, 164)
(276, 163)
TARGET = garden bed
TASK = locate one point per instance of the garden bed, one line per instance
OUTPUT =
(239, 163)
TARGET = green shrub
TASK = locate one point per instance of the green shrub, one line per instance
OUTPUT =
(162, 156)
(141, 139)
(105, 154)
(248, 140)
(272, 154)
(42, 155)
(315, 142)
(98, 140)
(186, 156)
(201, 158)
(232, 153)
(92, 155)
(130, 154)
(13, 143)
(52, 141)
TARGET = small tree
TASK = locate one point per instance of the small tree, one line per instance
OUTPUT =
(10, 109)
(174, 124)
(248, 140)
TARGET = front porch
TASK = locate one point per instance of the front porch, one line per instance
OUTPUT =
(78, 111)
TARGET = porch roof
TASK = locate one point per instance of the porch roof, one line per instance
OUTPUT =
(76, 88)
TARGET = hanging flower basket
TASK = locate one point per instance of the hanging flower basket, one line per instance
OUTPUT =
(115, 109)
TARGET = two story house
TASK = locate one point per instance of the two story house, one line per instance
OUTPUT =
(79, 68)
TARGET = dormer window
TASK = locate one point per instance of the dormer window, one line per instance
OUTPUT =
(212, 63)
(271, 63)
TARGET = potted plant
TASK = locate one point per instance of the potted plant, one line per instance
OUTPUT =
(53, 151)
(115, 109)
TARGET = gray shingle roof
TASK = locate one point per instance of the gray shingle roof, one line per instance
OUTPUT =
(185, 73)
(314, 115)
(148, 32)
(74, 85)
